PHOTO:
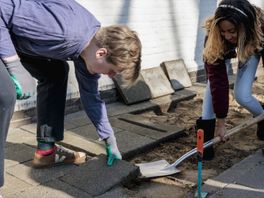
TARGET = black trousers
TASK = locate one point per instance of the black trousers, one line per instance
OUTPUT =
(52, 76)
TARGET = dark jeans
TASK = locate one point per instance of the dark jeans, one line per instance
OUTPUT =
(52, 76)
(7, 104)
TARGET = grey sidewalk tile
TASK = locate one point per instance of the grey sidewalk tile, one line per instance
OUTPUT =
(119, 108)
(32, 128)
(13, 185)
(68, 125)
(17, 153)
(157, 82)
(143, 131)
(145, 122)
(230, 192)
(248, 172)
(18, 136)
(117, 192)
(78, 119)
(88, 131)
(96, 178)
(53, 189)
(177, 73)
(78, 114)
(89, 146)
(136, 93)
(38, 176)
(254, 177)
(212, 186)
(240, 169)
(130, 144)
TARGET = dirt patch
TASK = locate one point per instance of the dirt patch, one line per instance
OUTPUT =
(227, 154)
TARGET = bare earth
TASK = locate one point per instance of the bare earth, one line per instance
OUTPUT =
(227, 154)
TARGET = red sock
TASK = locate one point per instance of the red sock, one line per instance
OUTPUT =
(46, 152)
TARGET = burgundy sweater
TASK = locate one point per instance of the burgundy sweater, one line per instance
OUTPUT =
(217, 76)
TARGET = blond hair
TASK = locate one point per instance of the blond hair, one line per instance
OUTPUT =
(124, 50)
(216, 47)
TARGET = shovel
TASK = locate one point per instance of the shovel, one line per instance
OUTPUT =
(163, 168)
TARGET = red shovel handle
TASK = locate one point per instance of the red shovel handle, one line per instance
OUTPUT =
(200, 140)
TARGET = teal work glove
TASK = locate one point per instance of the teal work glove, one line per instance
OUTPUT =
(24, 83)
(112, 150)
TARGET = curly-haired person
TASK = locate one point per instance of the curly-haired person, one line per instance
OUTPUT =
(235, 30)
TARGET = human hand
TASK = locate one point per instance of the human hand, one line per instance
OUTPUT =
(112, 150)
(221, 130)
(24, 83)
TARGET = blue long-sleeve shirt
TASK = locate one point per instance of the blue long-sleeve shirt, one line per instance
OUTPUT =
(57, 29)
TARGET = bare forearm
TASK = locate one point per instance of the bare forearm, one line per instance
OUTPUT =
(220, 122)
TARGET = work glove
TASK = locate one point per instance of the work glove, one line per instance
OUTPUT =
(112, 150)
(24, 83)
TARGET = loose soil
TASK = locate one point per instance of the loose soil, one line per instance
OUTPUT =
(227, 154)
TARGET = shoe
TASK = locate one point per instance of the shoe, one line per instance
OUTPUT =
(208, 127)
(60, 156)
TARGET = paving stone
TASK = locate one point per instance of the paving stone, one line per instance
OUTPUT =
(12, 185)
(32, 128)
(241, 192)
(37, 176)
(254, 177)
(88, 132)
(157, 81)
(18, 136)
(137, 93)
(119, 108)
(69, 125)
(240, 169)
(53, 189)
(17, 153)
(96, 178)
(145, 122)
(79, 121)
(177, 74)
(247, 172)
(154, 134)
(212, 186)
(92, 147)
(115, 193)
(71, 122)
(130, 144)
(75, 115)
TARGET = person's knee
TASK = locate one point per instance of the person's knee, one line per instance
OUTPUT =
(243, 98)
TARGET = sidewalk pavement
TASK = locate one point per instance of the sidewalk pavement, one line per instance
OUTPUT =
(93, 178)
(244, 180)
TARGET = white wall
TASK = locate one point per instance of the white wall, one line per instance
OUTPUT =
(168, 29)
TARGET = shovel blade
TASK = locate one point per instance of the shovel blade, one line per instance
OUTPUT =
(156, 169)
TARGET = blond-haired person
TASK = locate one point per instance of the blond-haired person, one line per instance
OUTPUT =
(236, 29)
(37, 38)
